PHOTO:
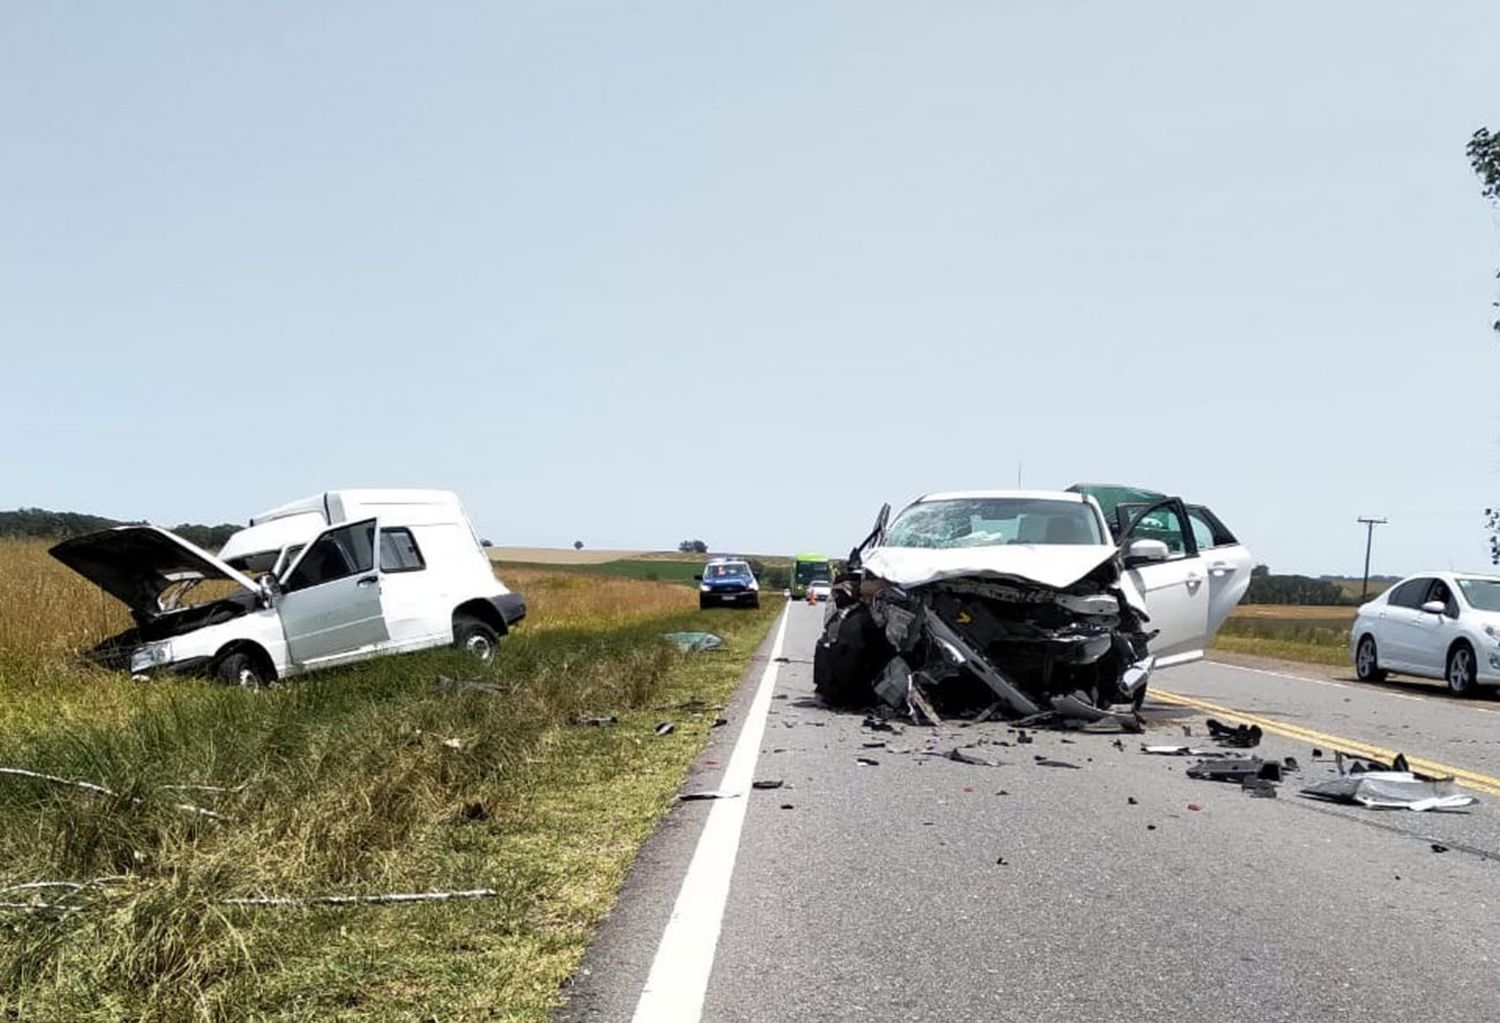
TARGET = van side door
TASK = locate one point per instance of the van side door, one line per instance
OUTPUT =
(330, 604)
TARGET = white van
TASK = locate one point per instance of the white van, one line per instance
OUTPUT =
(342, 576)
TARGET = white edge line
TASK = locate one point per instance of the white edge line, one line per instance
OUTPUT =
(678, 981)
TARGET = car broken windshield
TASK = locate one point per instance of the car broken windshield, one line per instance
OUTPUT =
(992, 521)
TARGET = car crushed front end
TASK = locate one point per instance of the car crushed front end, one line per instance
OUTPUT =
(1015, 629)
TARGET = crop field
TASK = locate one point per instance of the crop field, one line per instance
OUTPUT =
(1317, 635)
(368, 781)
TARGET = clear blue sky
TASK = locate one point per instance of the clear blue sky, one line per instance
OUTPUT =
(633, 273)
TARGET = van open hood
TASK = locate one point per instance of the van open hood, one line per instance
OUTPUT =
(135, 564)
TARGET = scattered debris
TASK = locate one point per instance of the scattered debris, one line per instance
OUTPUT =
(767, 783)
(1047, 762)
(665, 728)
(1261, 788)
(719, 723)
(787, 806)
(969, 758)
(1181, 751)
(1131, 800)
(1022, 738)
(874, 744)
(351, 900)
(1439, 848)
(876, 723)
(701, 794)
(1000, 861)
(1397, 789)
(694, 642)
(1236, 769)
(596, 720)
(1240, 736)
(100, 790)
(867, 761)
(457, 686)
(1194, 807)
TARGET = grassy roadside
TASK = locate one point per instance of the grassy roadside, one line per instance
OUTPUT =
(364, 781)
(1313, 635)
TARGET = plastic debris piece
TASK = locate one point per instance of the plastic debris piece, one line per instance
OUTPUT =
(1391, 790)
(767, 783)
(867, 761)
(665, 728)
(962, 757)
(694, 642)
(1239, 736)
(692, 797)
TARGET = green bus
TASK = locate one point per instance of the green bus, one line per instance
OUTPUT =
(806, 568)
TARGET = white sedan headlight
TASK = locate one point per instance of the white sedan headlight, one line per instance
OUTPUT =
(1492, 632)
(150, 655)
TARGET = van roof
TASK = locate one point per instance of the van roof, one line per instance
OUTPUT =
(328, 501)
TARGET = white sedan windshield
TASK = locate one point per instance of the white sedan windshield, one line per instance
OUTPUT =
(992, 521)
(1482, 594)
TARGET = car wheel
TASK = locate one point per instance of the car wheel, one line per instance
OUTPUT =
(703, 604)
(1366, 664)
(1461, 670)
(475, 638)
(755, 602)
(240, 669)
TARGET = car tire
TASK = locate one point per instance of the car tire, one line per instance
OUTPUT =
(755, 602)
(1460, 670)
(703, 604)
(1366, 662)
(238, 668)
(475, 638)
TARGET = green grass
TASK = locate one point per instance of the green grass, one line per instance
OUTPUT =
(1294, 638)
(366, 780)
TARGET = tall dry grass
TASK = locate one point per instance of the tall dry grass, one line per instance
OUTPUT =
(368, 779)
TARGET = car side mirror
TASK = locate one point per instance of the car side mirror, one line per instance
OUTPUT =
(1146, 550)
(699, 578)
(1434, 607)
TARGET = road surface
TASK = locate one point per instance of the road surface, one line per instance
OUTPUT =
(920, 888)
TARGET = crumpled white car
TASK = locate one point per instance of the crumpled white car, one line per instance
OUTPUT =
(1032, 601)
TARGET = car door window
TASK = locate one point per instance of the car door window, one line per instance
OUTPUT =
(1410, 593)
(1164, 523)
(399, 551)
(337, 554)
(1208, 531)
(1441, 592)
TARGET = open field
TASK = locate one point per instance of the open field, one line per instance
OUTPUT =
(369, 780)
(557, 555)
(1316, 635)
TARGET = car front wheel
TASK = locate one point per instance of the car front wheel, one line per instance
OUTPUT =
(240, 669)
(475, 638)
(1366, 664)
(1461, 670)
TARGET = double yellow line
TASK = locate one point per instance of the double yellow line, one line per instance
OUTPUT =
(1469, 779)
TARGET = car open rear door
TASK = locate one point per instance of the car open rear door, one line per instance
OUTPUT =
(1226, 560)
(1175, 590)
(330, 605)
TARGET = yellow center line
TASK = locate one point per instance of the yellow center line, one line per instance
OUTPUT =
(1469, 779)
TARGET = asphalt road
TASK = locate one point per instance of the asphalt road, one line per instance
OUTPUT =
(920, 888)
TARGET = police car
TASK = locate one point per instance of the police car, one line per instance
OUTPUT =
(728, 581)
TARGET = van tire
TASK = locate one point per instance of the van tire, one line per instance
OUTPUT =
(237, 668)
(475, 638)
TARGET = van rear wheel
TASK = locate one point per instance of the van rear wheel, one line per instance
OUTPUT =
(475, 638)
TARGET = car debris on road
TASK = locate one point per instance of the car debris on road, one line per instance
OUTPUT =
(1397, 788)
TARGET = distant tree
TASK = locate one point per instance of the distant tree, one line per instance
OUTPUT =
(578, 545)
(693, 547)
(1291, 589)
(1260, 570)
(1483, 152)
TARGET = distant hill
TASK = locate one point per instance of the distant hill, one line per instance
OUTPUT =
(41, 524)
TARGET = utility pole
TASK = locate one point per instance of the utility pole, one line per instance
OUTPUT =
(1369, 524)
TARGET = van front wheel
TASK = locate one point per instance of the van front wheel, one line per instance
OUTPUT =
(475, 638)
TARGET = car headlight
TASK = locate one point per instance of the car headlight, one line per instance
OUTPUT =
(704, 587)
(754, 585)
(150, 655)
(1490, 631)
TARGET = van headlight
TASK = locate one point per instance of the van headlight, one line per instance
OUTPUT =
(150, 655)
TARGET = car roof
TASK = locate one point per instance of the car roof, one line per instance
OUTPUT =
(1029, 495)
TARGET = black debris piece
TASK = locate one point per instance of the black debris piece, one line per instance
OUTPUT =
(1119, 744)
(693, 797)
(767, 783)
(1150, 827)
(1022, 737)
(875, 744)
(1047, 762)
(1236, 769)
(1187, 731)
(1131, 800)
(597, 720)
(867, 761)
(787, 806)
(1240, 736)
(969, 758)
(1000, 861)
(1290, 764)
(1439, 848)
(1261, 788)
(1003, 792)
(665, 728)
(876, 723)
(1317, 753)
(720, 722)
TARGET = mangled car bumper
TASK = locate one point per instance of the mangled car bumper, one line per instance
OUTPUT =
(942, 636)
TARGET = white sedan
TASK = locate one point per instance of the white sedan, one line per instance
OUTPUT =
(1438, 625)
(819, 590)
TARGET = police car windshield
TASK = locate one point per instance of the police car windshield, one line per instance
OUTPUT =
(727, 568)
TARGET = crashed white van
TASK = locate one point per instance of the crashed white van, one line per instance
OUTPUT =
(1031, 602)
(338, 577)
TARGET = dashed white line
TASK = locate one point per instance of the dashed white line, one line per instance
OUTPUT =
(678, 980)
